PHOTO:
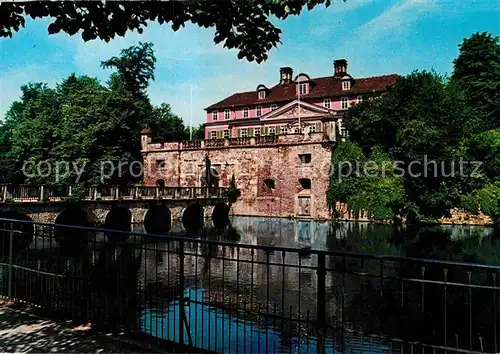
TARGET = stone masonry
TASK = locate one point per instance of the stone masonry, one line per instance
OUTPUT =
(282, 176)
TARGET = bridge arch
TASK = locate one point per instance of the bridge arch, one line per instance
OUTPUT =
(158, 220)
(71, 216)
(22, 239)
(220, 215)
(193, 218)
(120, 219)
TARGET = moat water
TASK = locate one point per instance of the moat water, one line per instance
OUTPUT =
(137, 284)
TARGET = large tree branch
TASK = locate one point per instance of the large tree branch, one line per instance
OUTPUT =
(241, 24)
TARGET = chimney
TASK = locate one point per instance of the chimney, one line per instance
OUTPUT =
(340, 67)
(286, 75)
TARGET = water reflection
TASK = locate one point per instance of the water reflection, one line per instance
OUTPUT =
(136, 284)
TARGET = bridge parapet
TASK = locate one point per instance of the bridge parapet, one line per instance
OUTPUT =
(25, 193)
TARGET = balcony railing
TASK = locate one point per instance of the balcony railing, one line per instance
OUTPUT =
(21, 193)
(219, 296)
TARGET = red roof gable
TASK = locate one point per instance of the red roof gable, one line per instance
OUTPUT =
(320, 87)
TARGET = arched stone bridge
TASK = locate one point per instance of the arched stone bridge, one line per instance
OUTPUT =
(114, 207)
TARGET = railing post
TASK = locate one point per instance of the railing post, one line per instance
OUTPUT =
(42, 194)
(157, 193)
(11, 261)
(321, 308)
(136, 193)
(182, 320)
(69, 191)
(117, 192)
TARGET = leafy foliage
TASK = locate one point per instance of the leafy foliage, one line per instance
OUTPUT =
(477, 73)
(84, 125)
(419, 119)
(364, 184)
(240, 25)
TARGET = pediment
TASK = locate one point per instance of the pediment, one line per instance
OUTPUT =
(296, 109)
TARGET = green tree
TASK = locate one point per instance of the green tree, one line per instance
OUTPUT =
(420, 119)
(241, 25)
(86, 124)
(364, 184)
(477, 73)
(166, 126)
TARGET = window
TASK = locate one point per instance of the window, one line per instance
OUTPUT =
(312, 128)
(283, 129)
(305, 183)
(327, 103)
(245, 112)
(273, 107)
(272, 130)
(215, 115)
(270, 184)
(305, 158)
(226, 133)
(346, 85)
(360, 99)
(303, 88)
(160, 164)
(258, 111)
(227, 114)
(344, 132)
(262, 94)
(344, 103)
(213, 134)
(257, 131)
(244, 132)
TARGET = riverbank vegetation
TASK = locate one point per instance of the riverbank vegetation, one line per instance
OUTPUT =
(425, 117)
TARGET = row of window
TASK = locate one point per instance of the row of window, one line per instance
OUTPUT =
(258, 131)
(227, 112)
(327, 103)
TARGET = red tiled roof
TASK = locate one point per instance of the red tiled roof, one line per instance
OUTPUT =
(320, 87)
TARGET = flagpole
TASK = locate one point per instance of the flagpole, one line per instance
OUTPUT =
(191, 115)
(298, 101)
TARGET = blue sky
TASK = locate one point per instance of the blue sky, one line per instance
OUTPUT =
(376, 37)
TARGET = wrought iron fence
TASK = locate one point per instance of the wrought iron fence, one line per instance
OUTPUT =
(220, 296)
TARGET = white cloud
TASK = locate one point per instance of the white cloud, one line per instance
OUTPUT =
(395, 20)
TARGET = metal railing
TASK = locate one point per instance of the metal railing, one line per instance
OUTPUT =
(227, 297)
(21, 193)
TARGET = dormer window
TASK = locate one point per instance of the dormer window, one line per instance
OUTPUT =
(303, 88)
(215, 115)
(346, 85)
(302, 81)
(261, 91)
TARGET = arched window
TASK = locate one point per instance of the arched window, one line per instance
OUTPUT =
(305, 183)
(270, 184)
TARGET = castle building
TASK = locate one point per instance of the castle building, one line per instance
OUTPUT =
(318, 102)
(276, 141)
